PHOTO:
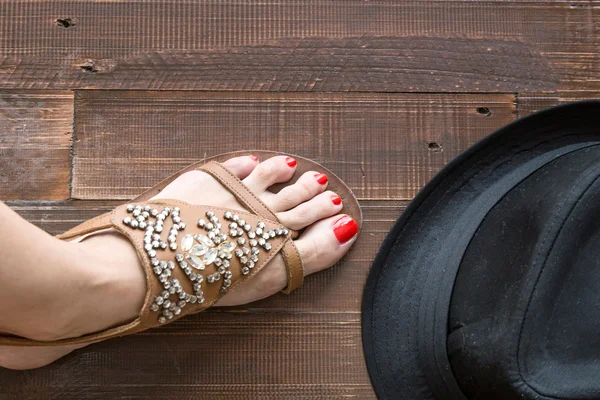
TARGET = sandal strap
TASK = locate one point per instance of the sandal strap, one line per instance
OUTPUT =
(89, 227)
(295, 268)
(238, 189)
(290, 254)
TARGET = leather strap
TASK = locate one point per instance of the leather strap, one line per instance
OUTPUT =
(90, 226)
(238, 189)
(293, 263)
(290, 254)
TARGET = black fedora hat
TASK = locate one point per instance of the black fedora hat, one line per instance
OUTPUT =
(488, 285)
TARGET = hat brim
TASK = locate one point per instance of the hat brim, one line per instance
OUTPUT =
(401, 287)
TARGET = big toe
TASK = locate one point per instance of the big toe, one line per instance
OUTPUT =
(241, 166)
(325, 242)
(269, 172)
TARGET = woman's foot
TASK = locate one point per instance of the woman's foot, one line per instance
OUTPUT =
(114, 294)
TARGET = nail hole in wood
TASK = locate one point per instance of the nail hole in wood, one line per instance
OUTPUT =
(435, 147)
(89, 67)
(484, 111)
(65, 22)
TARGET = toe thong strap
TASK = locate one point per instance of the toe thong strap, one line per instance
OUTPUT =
(238, 189)
(289, 252)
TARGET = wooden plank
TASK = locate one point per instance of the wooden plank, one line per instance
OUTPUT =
(34, 144)
(146, 391)
(338, 289)
(385, 146)
(208, 356)
(290, 45)
(530, 103)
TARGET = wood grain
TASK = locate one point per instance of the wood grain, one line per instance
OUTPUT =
(530, 103)
(35, 135)
(208, 356)
(384, 146)
(343, 45)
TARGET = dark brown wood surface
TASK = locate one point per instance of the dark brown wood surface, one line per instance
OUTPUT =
(35, 138)
(101, 99)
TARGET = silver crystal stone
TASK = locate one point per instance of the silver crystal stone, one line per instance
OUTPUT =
(195, 262)
(198, 250)
(210, 256)
(187, 242)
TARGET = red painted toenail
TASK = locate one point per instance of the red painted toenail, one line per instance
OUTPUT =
(337, 200)
(345, 229)
(290, 161)
(321, 178)
(254, 158)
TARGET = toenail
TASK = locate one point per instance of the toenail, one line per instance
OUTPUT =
(254, 158)
(345, 229)
(290, 161)
(321, 178)
(336, 200)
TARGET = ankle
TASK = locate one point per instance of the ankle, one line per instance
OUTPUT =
(102, 285)
(115, 288)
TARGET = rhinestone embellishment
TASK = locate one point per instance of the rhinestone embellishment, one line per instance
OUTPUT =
(215, 246)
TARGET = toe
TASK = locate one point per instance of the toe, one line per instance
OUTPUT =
(241, 166)
(308, 186)
(326, 242)
(321, 206)
(274, 170)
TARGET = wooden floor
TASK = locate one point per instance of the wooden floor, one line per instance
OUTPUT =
(100, 99)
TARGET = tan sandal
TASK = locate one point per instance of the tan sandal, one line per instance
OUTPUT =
(193, 254)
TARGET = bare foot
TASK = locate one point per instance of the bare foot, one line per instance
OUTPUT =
(109, 301)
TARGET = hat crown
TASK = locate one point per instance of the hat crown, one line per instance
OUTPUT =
(524, 313)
